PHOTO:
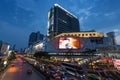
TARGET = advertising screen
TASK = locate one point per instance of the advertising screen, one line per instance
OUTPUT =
(116, 63)
(69, 43)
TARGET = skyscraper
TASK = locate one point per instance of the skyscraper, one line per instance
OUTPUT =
(35, 37)
(111, 35)
(60, 21)
(0, 44)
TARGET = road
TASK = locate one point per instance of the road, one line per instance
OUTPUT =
(19, 72)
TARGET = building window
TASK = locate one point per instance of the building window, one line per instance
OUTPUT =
(79, 34)
(82, 34)
(71, 34)
(75, 34)
(90, 34)
(94, 34)
(86, 34)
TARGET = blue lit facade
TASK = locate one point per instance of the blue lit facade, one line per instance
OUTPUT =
(111, 35)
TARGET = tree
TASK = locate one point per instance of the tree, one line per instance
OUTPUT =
(11, 56)
(41, 55)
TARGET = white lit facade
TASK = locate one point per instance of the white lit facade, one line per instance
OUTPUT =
(36, 47)
(5, 48)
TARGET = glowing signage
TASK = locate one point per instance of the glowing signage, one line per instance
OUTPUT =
(69, 43)
(116, 63)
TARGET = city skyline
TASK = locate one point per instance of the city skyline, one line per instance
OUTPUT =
(18, 18)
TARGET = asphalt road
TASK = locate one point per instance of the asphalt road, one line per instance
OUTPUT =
(19, 72)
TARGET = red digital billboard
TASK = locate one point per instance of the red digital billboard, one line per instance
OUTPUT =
(116, 63)
(69, 43)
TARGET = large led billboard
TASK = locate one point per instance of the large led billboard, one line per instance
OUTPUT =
(116, 63)
(69, 43)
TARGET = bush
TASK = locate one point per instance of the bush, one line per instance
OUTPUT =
(11, 57)
(42, 55)
(92, 77)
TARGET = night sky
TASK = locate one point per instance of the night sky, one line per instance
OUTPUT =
(18, 18)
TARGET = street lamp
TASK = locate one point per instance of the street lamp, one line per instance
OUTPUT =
(5, 63)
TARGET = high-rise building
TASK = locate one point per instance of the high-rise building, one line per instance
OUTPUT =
(0, 44)
(61, 21)
(4, 48)
(111, 35)
(32, 38)
(35, 37)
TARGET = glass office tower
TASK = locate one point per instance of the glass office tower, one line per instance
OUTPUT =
(61, 21)
(35, 37)
(111, 35)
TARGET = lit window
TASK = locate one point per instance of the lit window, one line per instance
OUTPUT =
(94, 34)
(82, 34)
(75, 34)
(90, 34)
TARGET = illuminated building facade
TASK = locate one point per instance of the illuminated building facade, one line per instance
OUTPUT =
(61, 21)
(77, 42)
(0, 44)
(35, 37)
(4, 48)
(38, 46)
(82, 34)
(111, 35)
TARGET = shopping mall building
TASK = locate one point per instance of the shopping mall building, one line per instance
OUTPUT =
(78, 42)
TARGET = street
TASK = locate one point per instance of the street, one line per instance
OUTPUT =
(18, 71)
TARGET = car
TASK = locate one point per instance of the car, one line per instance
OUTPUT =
(12, 65)
(29, 71)
(98, 68)
(24, 61)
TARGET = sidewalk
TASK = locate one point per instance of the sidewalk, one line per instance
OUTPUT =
(3, 69)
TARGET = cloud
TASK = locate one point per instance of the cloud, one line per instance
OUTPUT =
(109, 14)
(117, 30)
(39, 11)
(114, 28)
(101, 16)
(112, 16)
(26, 4)
(83, 14)
(85, 11)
